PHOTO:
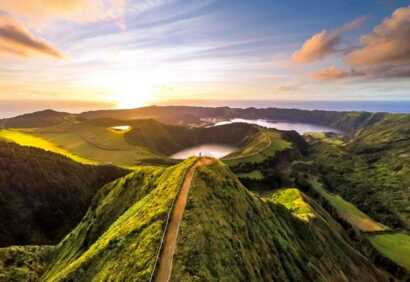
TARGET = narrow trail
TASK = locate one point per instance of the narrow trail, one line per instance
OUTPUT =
(163, 273)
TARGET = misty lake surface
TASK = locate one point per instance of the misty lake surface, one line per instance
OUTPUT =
(121, 127)
(211, 150)
(301, 128)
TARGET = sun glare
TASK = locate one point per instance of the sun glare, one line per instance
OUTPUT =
(126, 89)
(131, 90)
(132, 95)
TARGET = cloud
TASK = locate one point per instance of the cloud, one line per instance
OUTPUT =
(388, 43)
(355, 24)
(287, 88)
(386, 71)
(317, 47)
(330, 73)
(324, 43)
(40, 11)
(16, 39)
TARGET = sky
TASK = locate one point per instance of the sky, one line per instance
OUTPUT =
(93, 54)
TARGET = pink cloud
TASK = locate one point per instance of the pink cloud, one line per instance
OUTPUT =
(330, 73)
(324, 43)
(16, 39)
(317, 47)
(40, 11)
(388, 43)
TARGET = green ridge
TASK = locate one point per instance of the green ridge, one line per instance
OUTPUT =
(119, 237)
(230, 234)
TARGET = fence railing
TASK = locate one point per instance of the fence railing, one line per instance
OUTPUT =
(167, 223)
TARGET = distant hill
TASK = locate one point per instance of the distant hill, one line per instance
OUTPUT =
(167, 139)
(36, 119)
(186, 115)
(44, 195)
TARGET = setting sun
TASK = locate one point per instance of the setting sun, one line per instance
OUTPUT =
(132, 95)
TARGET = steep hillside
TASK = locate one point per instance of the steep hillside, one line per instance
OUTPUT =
(100, 141)
(168, 139)
(44, 195)
(371, 168)
(230, 234)
(119, 237)
(86, 142)
(264, 162)
(227, 234)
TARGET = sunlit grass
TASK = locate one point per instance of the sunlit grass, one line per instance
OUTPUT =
(25, 139)
(349, 212)
(394, 246)
(263, 146)
(293, 200)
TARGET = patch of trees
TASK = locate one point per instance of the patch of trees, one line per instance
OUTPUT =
(44, 195)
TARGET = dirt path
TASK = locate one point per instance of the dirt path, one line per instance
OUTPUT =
(171, 234)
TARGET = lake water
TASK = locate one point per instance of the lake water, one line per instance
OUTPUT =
(211, 150)
(121, 127)
(283, 125)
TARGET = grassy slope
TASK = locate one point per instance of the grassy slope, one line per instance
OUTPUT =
(348, 211)
(44, 195)
(258, 149)
(230, 234)
(253, 175)
(119, 237)
(23, 263)
(294, 201)
(372, 171)
(394, 246)
(26, 139)
(95, 140)
(166, 139)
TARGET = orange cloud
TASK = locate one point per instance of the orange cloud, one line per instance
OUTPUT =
(323, 43)
(388, 43)
(39, 11)
(15, 39)
(317, 47)
(330, 73)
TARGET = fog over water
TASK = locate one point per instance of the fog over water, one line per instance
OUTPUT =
(283, 125)
(210, 150)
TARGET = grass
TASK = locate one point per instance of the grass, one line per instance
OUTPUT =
(258, 149)
(118, 239)
(231, 234)
(348, 211)
(23, 263)
(370, 172)
(97, 142)
(394, 246)
(293, 200)
(253, 175)
(323, 137)
(85, 143)
(29, 140)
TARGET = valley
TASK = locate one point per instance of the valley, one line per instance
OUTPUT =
(128, 197)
